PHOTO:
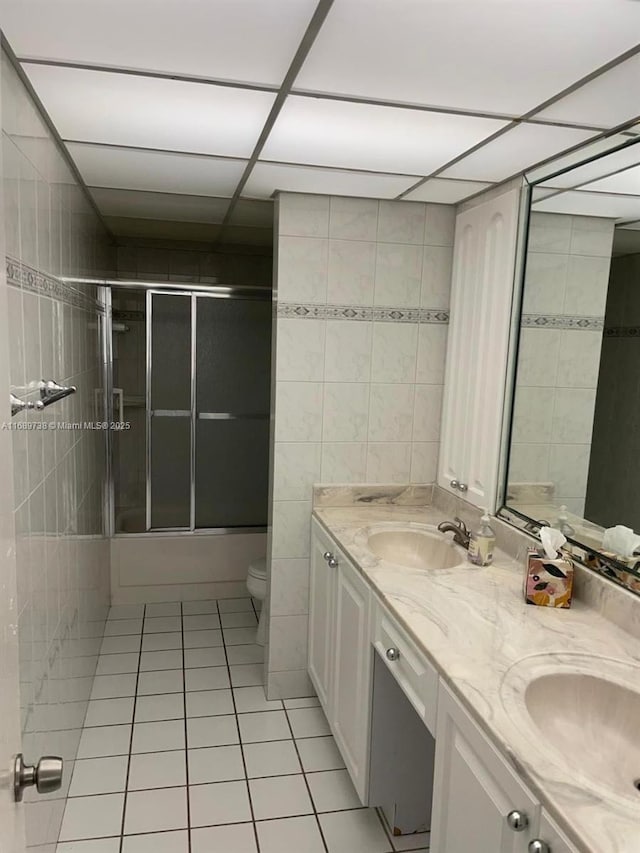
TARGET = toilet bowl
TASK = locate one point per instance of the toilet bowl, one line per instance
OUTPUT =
(257, 586)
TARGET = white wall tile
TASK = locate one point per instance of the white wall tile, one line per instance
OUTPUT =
(427, 412)
(573, 415)
(579, 359)
(529, 463)
(440, 225)
(348, 351)
(401, 222)
(549, 232)
(587, 284)
(424, 461)
(289, 587)
(345, 411)
(343, 462)
(301, 215)
(545, 283)
(300, 350)
(288, 642)
(436, 277)
(388, 462)
(291, 528)
(298, 411)
(351, 272)
(432, 351)
(391, 413)
(296, 469)
(395, 349)
(398, 275)
(302, 269)
(591, 236)
(532, 415)
(538, 356)
(353, 218)
(569, 467)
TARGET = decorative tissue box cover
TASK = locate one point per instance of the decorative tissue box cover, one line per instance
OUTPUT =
(548, 583)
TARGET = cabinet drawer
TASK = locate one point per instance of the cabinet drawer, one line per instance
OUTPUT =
(415, 675)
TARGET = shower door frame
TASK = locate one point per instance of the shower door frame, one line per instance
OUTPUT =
(192, 291)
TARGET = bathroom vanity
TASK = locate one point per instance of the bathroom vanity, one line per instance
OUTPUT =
(462, 647)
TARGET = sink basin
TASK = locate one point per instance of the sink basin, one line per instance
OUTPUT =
(584, 711)
(415, 548)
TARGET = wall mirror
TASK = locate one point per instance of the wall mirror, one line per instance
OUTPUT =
(573, 455)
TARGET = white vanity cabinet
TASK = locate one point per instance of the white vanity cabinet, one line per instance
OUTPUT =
(551, 839)
(477, 349)
(321, 594)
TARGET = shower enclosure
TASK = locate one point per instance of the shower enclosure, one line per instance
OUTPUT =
(190, 385)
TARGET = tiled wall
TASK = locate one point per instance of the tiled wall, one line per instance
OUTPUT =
(62, 556)
(362, 296)
(565, 294)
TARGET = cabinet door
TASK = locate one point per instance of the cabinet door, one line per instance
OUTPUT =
(475, 790)
(555, 839)
(321, 594)
(351, 703)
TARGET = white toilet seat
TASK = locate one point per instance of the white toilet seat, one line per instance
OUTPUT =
(257, 587)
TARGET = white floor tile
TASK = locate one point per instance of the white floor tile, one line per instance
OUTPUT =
(120, 645)
(126, 611)
(206, 678)
(171, 608)
(109, 712)
(354, 832)
(164, 707)
(120, 627)
(234, 605)
(162, 624)
(212, 731)
(157, 770)
(209, 703)
(161, 642)
(190, 608)
(222, 802)
(202, 639)
(243, 619)
(281, 796)
(92, 817)
(247, 675)
(245, 654)
(158, 737)
(106, 740)
(319, 753)
(165, 681)
(254, 699)
(307, 702)
(274, 758)
(240, 636)
(99, 776)
(161, 660)
(233, 838)
(152, 811)
(290, 834)
(204, 657)
(418, 842)
(117, 664)
(308, 722)
(215, 764)
(201, 622)
(113, 686)
(332, 791)
(263, 725)
(99, 845)
(176, 841)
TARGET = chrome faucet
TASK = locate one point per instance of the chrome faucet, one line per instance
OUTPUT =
(459, 530)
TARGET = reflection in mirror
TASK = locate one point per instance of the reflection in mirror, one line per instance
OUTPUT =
(574, 457)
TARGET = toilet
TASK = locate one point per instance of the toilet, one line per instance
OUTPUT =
(257, 586)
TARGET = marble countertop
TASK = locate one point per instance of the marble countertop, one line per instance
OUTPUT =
(475, 627)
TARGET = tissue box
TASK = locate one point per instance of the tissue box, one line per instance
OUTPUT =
(548, 583)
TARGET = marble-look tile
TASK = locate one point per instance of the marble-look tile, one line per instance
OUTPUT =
(432, 351)
(427, 412)
(401, 222)
(395, 347)
(289, 684)
(343, 462)
(351, 272)
(532, 415)
(398, 275)
(545, 283)
(289, 587)
(587, 283)
(573, 415)
(345, 411)
(529, 463)
(300, 348)
(568, 468)
(591, 235)
(302, 215)
(288, 642)
(379, 495)
(424, 461)
(579, 359)
(388, 462)
(549, 232)
(298, 411)
(353, 218)
(296, 469)
(290, 536)
(348, 351)
(11, 195)
(391, 413)
(538, 356)
(437, 264)
(302, 269)
(440, 224)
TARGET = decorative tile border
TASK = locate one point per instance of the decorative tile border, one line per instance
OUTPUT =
(622, 332)
(562, 321)
(357, 312)
(27, 278)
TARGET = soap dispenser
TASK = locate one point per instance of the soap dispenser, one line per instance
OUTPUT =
(563, 523)
(481, 543)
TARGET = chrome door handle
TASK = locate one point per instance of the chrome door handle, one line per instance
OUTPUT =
(393, 654)
(46, 775)
(517, 821)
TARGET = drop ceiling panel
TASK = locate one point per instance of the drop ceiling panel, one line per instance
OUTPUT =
(464, 53)
(267, 178)
(609, 100)
(446, 192)
(516, 150)
(627, 183)
(591, 204)
(363, 136)
(145, 205)
(119, 109)
(244, 40)
(129, 168)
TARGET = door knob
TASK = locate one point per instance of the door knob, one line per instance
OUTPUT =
(462, 487)
(454, 484)
(327, 555)
(517, 821)
(332, 562)
(46, 775)
(538, 846)
(393, 654)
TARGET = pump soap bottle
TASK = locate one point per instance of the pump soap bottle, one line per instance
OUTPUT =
(481, 543)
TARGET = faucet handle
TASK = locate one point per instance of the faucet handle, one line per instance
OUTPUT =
(461, 524)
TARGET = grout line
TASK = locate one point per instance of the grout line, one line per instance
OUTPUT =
(186, 740)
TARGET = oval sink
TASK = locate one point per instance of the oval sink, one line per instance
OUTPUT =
(586, 714)
(416, 549)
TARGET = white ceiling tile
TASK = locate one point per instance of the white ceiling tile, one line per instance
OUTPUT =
(627, 182)
(595, 168)
(494, 56)
(267, 178)
(363, 136)
(446, 192)
(257, 214)
(145, 205)
(252, 41)
(94, 106)
(516, 150)
(158, 171)
(591, 204)
(609, 100)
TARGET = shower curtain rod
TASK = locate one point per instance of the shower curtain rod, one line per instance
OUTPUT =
(229, 291)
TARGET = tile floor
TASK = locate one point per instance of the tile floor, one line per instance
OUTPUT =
(182, 753)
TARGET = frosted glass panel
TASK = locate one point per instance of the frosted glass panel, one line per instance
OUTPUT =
(170, 352)
(170, 472)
